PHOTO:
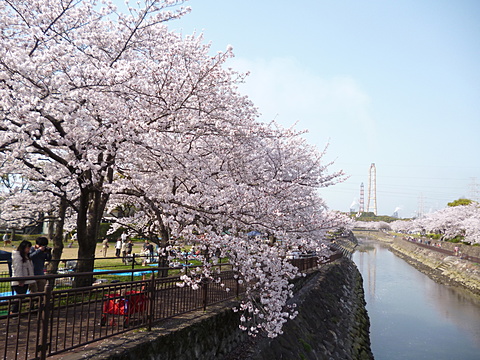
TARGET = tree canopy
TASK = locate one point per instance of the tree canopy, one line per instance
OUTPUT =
(460, 202)
(450, 222)
(101, 109)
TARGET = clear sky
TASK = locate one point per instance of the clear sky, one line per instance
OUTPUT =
(395, 83)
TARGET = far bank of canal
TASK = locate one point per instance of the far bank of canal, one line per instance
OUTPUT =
(412, 317)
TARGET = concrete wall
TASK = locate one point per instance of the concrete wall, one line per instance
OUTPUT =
(445, 269)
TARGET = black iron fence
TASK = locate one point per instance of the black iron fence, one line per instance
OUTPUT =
(55, 321)
(58, 320)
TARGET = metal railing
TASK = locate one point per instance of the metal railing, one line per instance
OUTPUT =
(443, 251)
(60, 320)
(56, 321)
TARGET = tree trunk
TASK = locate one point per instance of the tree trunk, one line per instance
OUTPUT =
(57, 238)
(163, 260)
(90, 212)
(51, 225)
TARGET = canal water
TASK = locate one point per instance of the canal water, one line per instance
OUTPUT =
(411, 316)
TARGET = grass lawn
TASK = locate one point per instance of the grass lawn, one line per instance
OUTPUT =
(110, 262)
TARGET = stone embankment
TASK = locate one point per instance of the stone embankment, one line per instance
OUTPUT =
(332, 323)
(442, 268)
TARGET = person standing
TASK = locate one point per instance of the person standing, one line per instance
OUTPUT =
(105, 247)
(145, 253)
(129, 247)
(124, 251)
(118, 247)
(151, 252)
(39, 254)
(6, 240)
(22, 266)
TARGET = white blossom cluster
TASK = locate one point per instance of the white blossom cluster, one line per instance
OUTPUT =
(105, 112)
(463, 220)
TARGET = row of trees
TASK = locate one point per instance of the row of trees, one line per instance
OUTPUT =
(460, 220)
(103, 110)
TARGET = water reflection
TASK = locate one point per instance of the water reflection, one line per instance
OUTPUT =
(369, 252)
(412, 317)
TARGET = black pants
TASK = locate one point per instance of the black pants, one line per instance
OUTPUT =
(117, 252)
(20, 290)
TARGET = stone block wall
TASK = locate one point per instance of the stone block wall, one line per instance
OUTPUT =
(332, 322)
(443, 268)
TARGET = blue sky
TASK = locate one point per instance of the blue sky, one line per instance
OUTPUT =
(395, 83)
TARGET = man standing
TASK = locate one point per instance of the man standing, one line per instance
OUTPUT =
(6, 240)
(129, 247)
(105, 247)
(39, 254)
(118, 247)
(124, 251)
(151, 252)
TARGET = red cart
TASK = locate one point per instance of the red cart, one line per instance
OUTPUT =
(127, 304)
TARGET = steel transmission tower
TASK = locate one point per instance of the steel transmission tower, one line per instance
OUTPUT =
(361, 207)
(372, 189)
(474, 190)
(421, 206)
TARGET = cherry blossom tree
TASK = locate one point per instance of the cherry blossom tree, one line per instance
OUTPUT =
(15, 211)
(450, 222)
(222, 184)
(25, 202)
(102, 109)
(66, 73)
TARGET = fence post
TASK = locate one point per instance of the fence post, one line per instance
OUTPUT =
(151, 301)
(133, 264)
(45, 316)
(205, 293)
(237, 290)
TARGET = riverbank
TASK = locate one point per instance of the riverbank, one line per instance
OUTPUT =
(332, 321)
(444, 269)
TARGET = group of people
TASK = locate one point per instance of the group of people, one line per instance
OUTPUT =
(123, 247)
(29, 260)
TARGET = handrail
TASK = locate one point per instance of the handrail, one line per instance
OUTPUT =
(444, 251)
(65, 319)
